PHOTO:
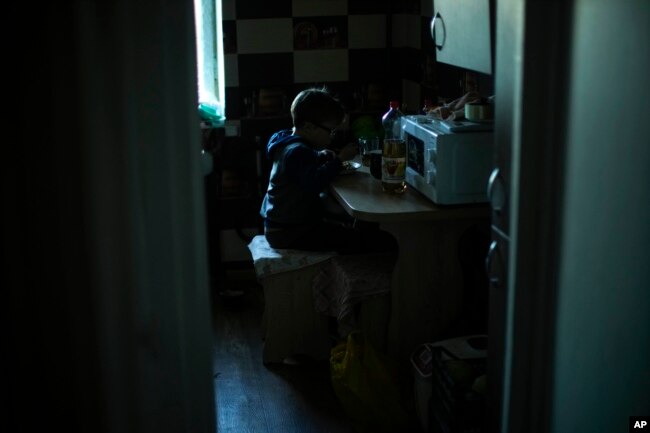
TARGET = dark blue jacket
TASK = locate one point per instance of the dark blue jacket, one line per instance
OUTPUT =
(298, 175)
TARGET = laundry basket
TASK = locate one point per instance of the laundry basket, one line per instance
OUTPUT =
(449, 384)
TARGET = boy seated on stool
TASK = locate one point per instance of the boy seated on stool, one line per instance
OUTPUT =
(303, 167)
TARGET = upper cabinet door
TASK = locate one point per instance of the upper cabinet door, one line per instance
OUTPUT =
(462, 34)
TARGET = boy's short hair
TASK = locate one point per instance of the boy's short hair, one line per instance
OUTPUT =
(316, 105)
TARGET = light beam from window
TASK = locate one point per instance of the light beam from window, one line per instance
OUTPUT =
(209, 54)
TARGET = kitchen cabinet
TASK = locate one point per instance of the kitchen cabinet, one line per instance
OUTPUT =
(462, 32)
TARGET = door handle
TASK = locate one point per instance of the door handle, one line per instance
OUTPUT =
(496, 192)
(437, 18)
(494, 278)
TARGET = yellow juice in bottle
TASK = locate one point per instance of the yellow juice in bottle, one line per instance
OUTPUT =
(393, 166)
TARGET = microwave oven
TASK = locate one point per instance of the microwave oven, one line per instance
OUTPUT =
(445, 166)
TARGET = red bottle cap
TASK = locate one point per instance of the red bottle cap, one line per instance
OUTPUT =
(394, 104)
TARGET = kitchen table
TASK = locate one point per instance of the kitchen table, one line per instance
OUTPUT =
(426, 292)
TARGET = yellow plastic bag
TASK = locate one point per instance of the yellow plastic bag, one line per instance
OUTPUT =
(367, 386)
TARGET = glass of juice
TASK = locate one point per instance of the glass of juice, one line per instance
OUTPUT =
(368, 146)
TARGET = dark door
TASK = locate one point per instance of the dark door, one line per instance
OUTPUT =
(499, 196)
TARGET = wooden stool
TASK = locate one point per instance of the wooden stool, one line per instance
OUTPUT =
(290, 324)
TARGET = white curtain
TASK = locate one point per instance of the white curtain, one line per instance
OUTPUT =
(108, 288)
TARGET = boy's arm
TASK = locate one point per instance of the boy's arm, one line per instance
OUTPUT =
(304, 168)
(326, 155)
(346, 153)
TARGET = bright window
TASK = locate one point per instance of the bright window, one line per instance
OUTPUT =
(209, 56)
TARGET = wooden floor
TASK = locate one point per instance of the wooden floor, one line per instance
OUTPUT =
(254, 398)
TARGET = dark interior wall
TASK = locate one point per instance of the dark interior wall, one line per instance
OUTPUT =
(366, 52)
(273, 50)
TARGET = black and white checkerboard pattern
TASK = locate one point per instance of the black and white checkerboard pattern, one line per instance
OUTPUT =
(345, 44)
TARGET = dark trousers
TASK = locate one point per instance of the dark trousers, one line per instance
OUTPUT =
(336, 237)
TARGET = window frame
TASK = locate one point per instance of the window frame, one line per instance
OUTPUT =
(210, 55)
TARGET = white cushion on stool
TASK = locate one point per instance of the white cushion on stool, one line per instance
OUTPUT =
(267, 260)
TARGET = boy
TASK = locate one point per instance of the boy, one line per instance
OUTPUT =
(303, 167)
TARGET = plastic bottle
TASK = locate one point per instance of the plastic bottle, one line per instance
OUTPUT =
(391, 121)
(393, 160)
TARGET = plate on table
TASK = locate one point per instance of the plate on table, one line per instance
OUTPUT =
(350, 167)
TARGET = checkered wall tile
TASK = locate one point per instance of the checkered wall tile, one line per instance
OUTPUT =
(288, 45)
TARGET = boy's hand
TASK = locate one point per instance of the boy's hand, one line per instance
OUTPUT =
(326, 155)
(348, 152)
